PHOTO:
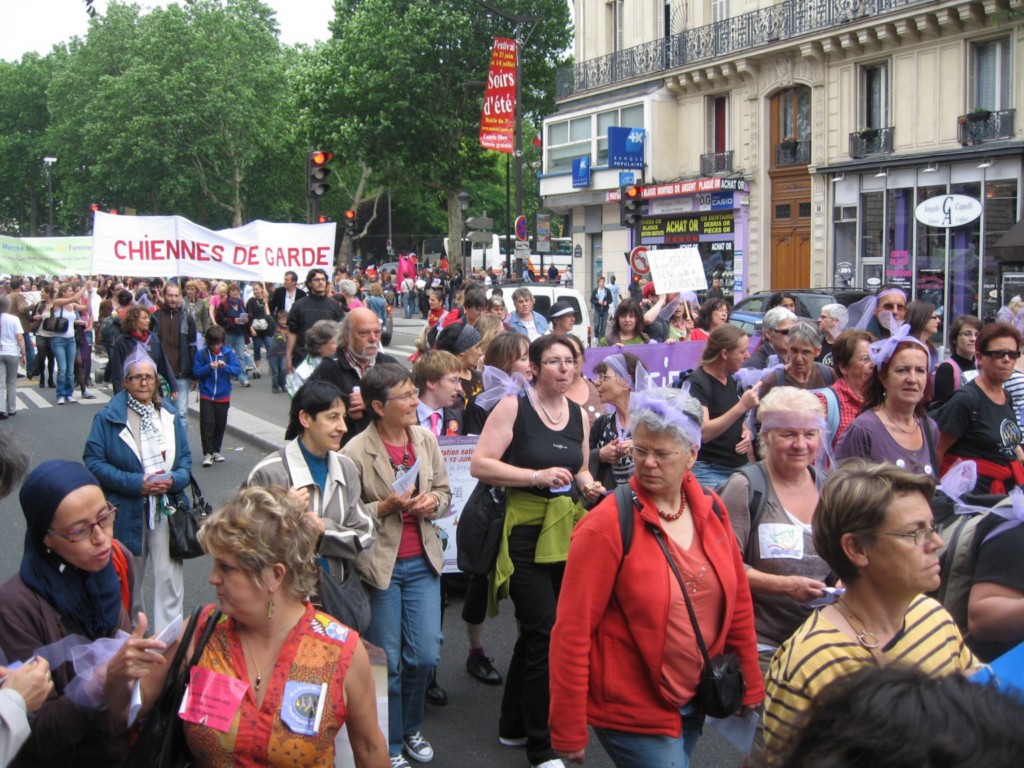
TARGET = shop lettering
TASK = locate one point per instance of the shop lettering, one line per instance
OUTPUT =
(948, 211)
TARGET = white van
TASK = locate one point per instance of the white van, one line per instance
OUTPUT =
(544, 295)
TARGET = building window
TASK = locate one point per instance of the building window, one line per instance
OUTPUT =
(719, 10)
(989, 87)
(627, 117)
(568, 139)
(717, 133)
(874, 96)
(794, 114)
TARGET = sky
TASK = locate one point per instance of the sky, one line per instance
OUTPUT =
(36, 25)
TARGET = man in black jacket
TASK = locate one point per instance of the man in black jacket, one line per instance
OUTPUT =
(306, 312)
(177, 331)
(285, 296)
(359, 351)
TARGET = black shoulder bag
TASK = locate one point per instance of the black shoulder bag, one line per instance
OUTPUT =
(161, 742)
(185, 521)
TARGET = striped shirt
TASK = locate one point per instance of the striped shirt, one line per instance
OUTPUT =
(818, 653)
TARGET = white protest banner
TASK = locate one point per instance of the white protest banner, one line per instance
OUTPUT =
(456, 452)
(45, 255)
(166, 246)
(678, 269)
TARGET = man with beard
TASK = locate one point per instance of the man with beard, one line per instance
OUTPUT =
(306, 311)
(359, 351)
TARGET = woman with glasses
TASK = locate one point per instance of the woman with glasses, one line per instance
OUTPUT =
(959, 368)
(68, 593)
(801, 369)
(535, 446)
(978, 421)
(894, 425)
(405, 488)
(624, 654)
(873, 526)
(138, 450)
(924, 322)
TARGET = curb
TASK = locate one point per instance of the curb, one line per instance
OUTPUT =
(265, 435)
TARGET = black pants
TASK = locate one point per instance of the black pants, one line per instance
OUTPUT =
(474, 607)
(213, 419)
(534, 590)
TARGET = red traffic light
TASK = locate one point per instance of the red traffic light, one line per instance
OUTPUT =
(322, 218)
(319, 157)
(632, 191)
(113, 211)
(350, 215)
(94, 207)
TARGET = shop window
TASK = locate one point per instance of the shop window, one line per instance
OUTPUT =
(989, 85)
(874, 96)
(844, 244)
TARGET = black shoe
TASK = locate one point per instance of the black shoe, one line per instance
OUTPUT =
(436, 695)
(482, 668)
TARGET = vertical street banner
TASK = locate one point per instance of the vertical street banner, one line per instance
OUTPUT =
(498, 117)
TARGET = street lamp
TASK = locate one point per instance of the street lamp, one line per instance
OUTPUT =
(48, 161)
(463, 198)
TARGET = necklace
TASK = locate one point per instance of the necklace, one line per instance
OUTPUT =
(913, 428)
(670, 516)
(259, 671)
(552, 419)
(405, 461)
(865, 637)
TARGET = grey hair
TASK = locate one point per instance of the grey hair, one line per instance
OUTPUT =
(807, 332)
(322, 332)
(5, 304)
(675, 412)
(13, 463)
(774, 316)
(348, 287)
(837, 312)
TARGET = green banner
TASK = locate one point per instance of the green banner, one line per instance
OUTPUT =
(45, 255)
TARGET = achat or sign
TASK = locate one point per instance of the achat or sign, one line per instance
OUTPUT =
(947, 211)
(679, 269)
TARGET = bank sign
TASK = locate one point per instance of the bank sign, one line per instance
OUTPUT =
(948, 211)
(626, 147)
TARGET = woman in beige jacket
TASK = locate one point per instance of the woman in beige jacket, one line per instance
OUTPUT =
(405, 487)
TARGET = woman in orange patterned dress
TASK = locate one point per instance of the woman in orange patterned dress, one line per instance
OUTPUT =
(288, 676)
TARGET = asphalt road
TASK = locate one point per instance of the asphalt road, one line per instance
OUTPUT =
(464, 733)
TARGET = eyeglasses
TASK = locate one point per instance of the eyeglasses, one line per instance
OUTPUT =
(558, 363)
(142, 378)
(1000, 354)
(453, 380)
(782, 331)
(890, 306)
(407, 396)
(921, 536)
(660, 457)
(936, 317)
(104, 520)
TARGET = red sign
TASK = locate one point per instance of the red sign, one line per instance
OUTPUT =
(638, 260)
(672, 189)
(498, 117)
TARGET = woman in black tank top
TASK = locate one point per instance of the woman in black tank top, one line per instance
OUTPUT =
(534, 446)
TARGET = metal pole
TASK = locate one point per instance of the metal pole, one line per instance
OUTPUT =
(508, 216)
(519, 121)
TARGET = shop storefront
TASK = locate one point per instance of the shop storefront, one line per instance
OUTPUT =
(877, 239)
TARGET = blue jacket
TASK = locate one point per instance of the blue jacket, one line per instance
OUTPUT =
(518, 326)
(215, 383)
(111, 454)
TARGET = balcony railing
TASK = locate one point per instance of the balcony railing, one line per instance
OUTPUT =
(785, 21)
(793, 152)
(983, 125)
(716, 162)
(871, 141)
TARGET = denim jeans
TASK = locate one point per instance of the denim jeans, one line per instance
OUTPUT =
(406, 623)
(642, 750)
(184, 383)
(711, 475)
(260, 342)
(30, 354)
(237, 343)
(277, 370)
(64, 353)
(409, 303)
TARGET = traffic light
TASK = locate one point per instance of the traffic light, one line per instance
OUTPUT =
(631, 205)
(323, 218)
(316, 172)
(94, 207)
(350, 222)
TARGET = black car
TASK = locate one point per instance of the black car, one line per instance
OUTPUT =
(809, 300)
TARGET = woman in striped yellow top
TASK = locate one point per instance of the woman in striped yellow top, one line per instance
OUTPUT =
(874, 527)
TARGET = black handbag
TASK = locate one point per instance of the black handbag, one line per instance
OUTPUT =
(722, 685)
(478, 533)
(347, 601)
(185, 521)
(161, 742)
(53, 324)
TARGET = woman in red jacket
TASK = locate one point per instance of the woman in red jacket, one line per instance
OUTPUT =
(624, 655)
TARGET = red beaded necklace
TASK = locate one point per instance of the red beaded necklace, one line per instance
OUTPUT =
(670, 516)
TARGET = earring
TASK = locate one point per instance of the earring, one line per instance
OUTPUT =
(270, 608)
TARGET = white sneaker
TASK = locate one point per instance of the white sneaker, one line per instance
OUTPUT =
(218, 458)
(556, 763)
(399, 761)
(208, 460)
(71, 399)
(60, 401)
(418, 748)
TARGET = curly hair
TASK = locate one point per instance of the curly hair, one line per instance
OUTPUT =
(261, 527)
(129, 323)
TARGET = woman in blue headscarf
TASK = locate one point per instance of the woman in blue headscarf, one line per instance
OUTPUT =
(67, 595)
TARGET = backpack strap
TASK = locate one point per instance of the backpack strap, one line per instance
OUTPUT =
(625, 500)
(827, 374)
(831, 410)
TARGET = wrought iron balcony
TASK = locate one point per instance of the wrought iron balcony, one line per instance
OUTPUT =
(783, 21)
(871, 141)
(793, 152)
(984, 125)
(715, 162)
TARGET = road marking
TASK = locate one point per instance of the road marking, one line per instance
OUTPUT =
(34, 397)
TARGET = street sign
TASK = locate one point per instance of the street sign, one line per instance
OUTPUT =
(476, 236)
(578, 252)
(638, 260)
(521, 231)
(479, 222)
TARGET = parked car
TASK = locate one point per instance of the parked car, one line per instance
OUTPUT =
(809, 300)
(546, 294)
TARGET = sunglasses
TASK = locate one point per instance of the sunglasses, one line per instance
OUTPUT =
(1000, 354)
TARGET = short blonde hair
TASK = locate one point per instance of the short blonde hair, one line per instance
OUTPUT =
(490, 327)
(786, 400)
(261, 527)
